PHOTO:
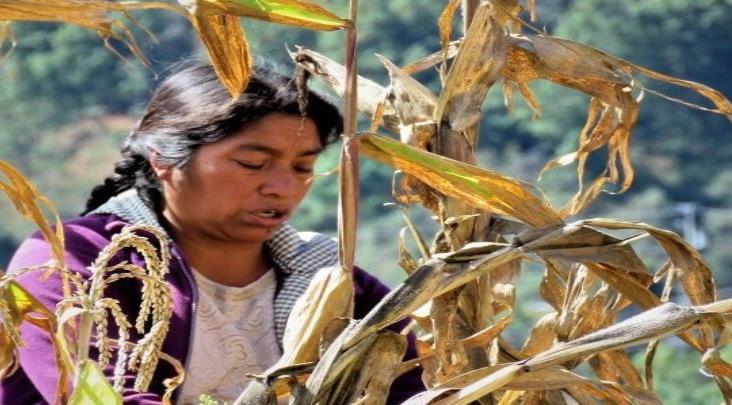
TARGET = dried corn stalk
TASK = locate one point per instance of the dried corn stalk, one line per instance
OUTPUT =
(215, 21)
(461, 291)
(590, 275)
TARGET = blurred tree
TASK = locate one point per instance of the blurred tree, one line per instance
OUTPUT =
(64, 100)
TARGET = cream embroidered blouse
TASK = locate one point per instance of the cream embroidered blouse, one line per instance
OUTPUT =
(234, 336)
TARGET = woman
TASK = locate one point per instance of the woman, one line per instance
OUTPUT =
(220, 177)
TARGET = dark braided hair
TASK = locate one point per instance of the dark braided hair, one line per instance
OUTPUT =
(190, 109)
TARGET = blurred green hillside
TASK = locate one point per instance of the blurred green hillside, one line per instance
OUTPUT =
(66, 103)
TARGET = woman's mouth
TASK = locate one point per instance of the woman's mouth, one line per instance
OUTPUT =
(269, 214)
(267, 218)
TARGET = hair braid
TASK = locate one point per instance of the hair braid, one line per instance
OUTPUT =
(127, 173)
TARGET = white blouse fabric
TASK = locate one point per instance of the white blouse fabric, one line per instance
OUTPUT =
(234, 336)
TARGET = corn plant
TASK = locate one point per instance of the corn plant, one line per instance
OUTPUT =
(460, 292)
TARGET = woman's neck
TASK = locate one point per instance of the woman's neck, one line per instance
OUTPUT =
(231, 265)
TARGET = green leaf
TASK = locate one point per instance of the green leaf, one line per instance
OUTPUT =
(93, 388)
(25, 302)
(290, 12)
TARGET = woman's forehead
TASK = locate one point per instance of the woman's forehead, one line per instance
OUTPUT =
(277, 133)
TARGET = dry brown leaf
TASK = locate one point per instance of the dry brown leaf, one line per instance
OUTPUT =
(714, 364)
(413, 102)
(433, 59)
(370, 94)
(613, 111)
(576, 242)
(29, 202)
(379, 369)
(90, 14)
(694, 273)
(617, 367)
(656, 323)
(406, 260)
(444, 24)
(429, 280)
(227, 48)
(554, 284)
(447, 347)
(542, 335)
(487, 335)
(483, 189)
(475, 68)
(329, 296)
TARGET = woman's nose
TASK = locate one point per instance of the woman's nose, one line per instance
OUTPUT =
(281, 183)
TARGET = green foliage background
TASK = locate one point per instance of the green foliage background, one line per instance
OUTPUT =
(66, 103)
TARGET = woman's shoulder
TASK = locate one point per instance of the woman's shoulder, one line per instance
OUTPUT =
(84, 238)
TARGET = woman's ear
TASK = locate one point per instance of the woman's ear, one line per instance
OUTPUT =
(163, 171)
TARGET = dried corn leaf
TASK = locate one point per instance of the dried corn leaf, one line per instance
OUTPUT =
(379, 369)
(476, 67)
(480, 188)
(616, 366)
(412, 101)
(613, 111)
(16, 306)
(370, 93)
(553, 285)
(329, 296)
(336, 364)
(433, 59)
(290, 12)
(542, 335)
(714, 364)
(487, 335)
(406, 260)
(217, 24)
(7, 39)
(227, 48)
(29, 202)
(632, 285)
(447, 347)
(552, 378)
(90, 14)
(431, 279)
(691, 268)
(578, 243)
(444, 23)
(656, 323)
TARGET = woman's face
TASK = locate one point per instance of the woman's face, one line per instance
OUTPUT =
(240, 189)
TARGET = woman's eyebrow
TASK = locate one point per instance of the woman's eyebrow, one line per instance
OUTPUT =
(275, 152)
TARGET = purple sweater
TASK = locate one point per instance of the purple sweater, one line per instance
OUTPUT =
(36, 379)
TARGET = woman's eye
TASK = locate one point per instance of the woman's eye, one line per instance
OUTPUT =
(250, 166)
(304, 169)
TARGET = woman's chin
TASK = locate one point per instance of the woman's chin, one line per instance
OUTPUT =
(253, 234)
